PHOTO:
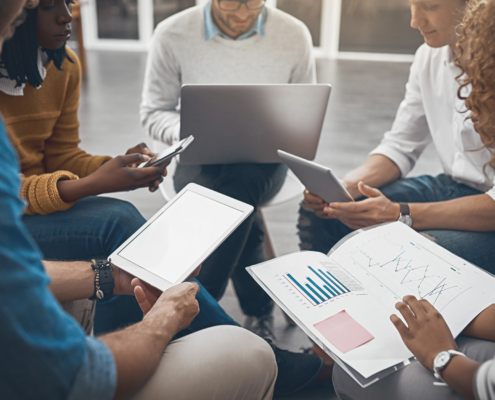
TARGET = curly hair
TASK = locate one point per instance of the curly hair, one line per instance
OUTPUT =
(477, 62)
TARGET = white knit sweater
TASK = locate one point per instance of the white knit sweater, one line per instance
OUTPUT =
(180, 55)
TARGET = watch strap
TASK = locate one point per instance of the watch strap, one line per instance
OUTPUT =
(404, 209)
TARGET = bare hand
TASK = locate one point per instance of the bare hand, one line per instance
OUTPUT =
(122, 281)
(427, 333)
(179, 301)
(376, 209)
(147, 295)
(314, 203)
(116, 175)
(142, 148)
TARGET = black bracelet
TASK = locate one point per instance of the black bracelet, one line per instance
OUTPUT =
(103, 279)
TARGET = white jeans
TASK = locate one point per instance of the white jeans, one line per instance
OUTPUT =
(219, 363)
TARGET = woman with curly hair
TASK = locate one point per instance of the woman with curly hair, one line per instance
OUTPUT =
(449, 368)
(477, 61)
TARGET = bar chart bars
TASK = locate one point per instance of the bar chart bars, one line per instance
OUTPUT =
(317, 286)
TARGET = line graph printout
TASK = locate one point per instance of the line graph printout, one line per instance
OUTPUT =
(409, 268)
(393, 261)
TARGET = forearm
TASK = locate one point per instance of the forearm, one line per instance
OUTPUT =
(483, 326)
(73, 190)
(137, 350)
(70, 280)
(459, 375)
(377, 170)
(470, 213)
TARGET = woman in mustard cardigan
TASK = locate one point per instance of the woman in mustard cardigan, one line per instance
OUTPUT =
(40, 83)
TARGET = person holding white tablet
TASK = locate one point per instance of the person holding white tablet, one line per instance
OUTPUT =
(46, 354)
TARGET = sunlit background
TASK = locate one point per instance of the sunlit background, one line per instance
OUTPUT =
(351, 29)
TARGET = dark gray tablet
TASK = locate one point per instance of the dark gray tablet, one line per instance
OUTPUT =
(316, 178)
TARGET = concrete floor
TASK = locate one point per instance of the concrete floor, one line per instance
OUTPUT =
(362, 107)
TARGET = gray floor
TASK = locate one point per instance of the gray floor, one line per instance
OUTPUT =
(364, 100)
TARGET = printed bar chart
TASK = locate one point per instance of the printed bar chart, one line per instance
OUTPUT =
(317, 286)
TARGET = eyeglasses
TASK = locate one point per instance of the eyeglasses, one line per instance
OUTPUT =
(234, 5)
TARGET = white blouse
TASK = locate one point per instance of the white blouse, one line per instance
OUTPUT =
(431, 111)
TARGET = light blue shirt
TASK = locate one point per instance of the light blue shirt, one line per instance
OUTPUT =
(211, 28)
(44, 353)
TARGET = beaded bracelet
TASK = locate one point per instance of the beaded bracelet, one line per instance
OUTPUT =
(104, 282)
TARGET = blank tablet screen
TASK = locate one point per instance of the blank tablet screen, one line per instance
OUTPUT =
(179, 236)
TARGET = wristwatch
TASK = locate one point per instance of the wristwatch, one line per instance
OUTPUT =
(405, 215)
(104, 283)
(442, 360)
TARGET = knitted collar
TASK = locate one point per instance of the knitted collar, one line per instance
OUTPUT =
(8, 86)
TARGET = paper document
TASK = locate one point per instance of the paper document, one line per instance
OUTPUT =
(344, 301)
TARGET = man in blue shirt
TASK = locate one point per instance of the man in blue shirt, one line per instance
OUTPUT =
(44, 353)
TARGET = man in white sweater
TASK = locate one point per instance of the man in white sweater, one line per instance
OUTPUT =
(237, 42)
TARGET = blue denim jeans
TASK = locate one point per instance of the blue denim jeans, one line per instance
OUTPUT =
(253, 184)
(94, 228)
(477, 247)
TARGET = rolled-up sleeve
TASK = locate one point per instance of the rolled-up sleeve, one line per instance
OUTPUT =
(410, 134)
(484, 381)
(96, 378)
(491, 192)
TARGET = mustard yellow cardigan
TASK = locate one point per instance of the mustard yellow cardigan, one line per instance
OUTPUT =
(44, 129)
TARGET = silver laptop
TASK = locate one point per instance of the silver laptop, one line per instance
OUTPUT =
(249, 123)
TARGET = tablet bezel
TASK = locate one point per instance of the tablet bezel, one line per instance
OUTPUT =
(155, 280)
(322, 178)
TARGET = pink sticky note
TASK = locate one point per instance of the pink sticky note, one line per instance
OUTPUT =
(343, 332)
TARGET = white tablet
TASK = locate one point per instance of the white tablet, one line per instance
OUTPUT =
(316, 178)
(179, 237)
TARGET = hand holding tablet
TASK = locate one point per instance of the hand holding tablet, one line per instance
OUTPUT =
(179, 237)
(318, 179)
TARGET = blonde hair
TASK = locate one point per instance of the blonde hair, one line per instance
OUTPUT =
(477, 61)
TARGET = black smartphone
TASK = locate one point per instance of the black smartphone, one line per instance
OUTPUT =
(168, 153)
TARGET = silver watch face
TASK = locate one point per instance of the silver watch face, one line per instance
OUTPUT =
(441, 360)
(406, 219)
